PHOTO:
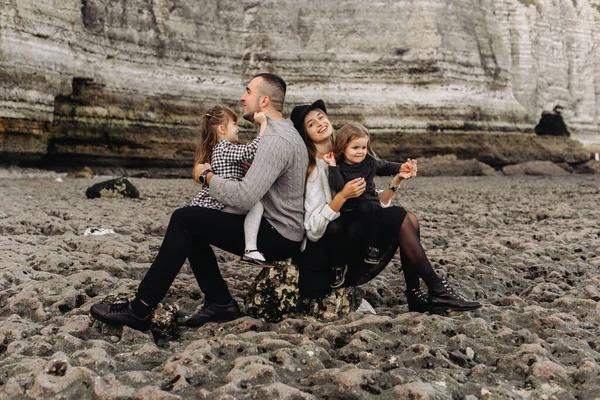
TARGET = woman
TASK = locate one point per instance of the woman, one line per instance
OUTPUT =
(397, 228)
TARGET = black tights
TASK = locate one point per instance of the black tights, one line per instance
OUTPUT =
(414, 261)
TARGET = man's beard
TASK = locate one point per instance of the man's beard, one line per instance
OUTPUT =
(249, 116)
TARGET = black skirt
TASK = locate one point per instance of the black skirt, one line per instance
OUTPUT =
(316, 265)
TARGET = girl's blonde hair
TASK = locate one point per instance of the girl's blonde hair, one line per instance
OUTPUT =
(346, 134)
(208, 133)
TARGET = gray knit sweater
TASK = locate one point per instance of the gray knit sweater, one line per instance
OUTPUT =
(276, 179)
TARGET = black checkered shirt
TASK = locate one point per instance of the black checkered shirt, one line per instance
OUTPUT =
(227, 161)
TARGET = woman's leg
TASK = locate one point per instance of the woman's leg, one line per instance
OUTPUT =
(410, 275)
(414, 261)
(441, 295)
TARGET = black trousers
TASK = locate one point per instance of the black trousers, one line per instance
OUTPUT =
(189, 235)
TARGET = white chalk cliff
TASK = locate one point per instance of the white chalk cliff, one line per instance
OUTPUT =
(147, 69)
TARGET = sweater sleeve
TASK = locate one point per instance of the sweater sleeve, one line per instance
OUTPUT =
(269, 163)
(336, 180)
(317, 213)
(240, 152)
(386, 168)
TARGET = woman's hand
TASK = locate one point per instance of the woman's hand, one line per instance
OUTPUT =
(354, 188)
(329, 159)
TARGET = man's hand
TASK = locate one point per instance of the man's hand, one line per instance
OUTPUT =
(198, 170)
(329, 159)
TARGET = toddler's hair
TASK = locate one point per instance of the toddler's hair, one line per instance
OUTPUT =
(346, 134)
(208, 132)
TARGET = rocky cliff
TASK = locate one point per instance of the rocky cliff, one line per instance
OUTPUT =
(125, 81)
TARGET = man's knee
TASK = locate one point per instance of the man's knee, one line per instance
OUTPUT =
(179, 215)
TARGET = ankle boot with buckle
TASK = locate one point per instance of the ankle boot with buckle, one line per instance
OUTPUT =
(417, 300)
(442, 298)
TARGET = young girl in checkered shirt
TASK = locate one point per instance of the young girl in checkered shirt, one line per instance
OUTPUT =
(219, 132)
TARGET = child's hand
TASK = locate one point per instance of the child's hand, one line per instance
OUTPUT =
(329, 159)
(407, 170)
(413, 167)
(260, 118)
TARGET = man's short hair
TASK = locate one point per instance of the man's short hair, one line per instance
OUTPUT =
(274, 87)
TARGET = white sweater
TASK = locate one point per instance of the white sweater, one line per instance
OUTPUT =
(317, 213)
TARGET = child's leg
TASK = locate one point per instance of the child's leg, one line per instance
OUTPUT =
(368, 217)
(336, 242)
(251, 227)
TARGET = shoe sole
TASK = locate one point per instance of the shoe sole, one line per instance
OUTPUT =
(248, 262)
(98, 317)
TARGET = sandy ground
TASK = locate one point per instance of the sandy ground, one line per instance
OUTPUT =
(527, 247)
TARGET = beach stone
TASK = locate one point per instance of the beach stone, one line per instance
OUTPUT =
(60, 380)
(95, 359)
(349, 382)
(546, 371)
(418, 390)
(534, 168)
(252, 370)
(588, 369)
(113, 188)
(274, 296)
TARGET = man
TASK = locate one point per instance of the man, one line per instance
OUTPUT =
(276, 178)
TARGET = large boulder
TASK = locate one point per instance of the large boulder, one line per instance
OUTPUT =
(274, 296)
(449, 165)
(534, 168)
(113, 188)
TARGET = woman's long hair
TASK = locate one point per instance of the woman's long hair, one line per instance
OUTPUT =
(346, 134)
(208, 133)
(311, 148)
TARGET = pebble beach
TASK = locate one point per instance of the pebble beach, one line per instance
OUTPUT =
(527, 247)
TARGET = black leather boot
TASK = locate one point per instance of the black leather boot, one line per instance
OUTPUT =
(442, 298)
(214, 313)
(416, 300)
(121, 314)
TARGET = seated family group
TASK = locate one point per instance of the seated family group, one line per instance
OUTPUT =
(308, 195)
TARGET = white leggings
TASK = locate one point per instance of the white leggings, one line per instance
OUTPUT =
(251, 223)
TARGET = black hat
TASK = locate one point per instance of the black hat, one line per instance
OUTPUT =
(299, 113)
